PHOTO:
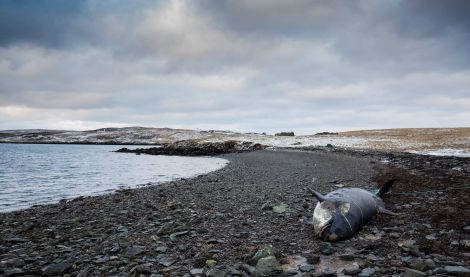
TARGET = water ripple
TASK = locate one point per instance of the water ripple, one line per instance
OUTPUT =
(32, 174)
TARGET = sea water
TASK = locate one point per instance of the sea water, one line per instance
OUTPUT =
(32, 174)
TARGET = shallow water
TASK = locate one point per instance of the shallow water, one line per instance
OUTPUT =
(32, 174)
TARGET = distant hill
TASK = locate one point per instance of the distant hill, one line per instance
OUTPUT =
(437, 141)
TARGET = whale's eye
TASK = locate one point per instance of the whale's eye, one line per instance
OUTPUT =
(344, 207)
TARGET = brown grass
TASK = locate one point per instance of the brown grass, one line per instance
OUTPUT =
(416, 138)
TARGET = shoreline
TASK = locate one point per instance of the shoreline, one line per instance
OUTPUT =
(224, 217)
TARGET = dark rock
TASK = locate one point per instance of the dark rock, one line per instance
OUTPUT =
(162, 249)
(174, 236)
(430, 264)
(133, 251)
(169, 269)
(14, 272)
(419, 226)
(57, 269)
(413, 273)
(328, 273)
(248, 269)
(16, 240)
(311, 258)
(431, 236)
(267, 206)
(347, 257)
(467, 229)
(14, 262)
(165, 260)
(326, 134)
(287, 134)
(290, 272)
(144, 269)
(214, 272)
(197, 148)
(418, 264)
(326, 248)
(102, 260)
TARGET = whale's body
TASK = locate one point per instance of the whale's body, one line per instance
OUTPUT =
(341, 213)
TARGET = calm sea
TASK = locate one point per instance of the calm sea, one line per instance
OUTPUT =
(33, 174)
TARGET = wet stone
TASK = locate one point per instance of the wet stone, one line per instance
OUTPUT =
(290, 272)
(263, 252)
(467, 229)
(328, 273)
(196, 271)
(167, 270)
(174, 236)
(430, 264)
(211, 263)
(413, 273)
(268, 266)
(367, 272)
(326, 248)
(281, 208)
(234, 272)
(165, 261)
(134, 251)
(14, 272)
(352, 269)
(457, 270)
(347, 257)
(248, 268)
(418, 264)
(57, 269)
(312, 258)
(306, 268)
(161, 249)
(214, 272)
(465, 243)
(141, 269)
(15, 262)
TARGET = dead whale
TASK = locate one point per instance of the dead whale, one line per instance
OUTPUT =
(341, 213)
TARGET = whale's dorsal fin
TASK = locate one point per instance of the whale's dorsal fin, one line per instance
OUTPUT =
(317, 195)
(386, 187)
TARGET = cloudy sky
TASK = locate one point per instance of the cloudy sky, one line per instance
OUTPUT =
(245, 65)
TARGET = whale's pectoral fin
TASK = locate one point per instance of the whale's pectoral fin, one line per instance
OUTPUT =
(383, 210)
(317, 195)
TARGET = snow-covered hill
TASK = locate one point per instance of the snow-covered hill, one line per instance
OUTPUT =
(442, 141)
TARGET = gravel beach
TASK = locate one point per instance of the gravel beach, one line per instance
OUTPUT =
(249, 219)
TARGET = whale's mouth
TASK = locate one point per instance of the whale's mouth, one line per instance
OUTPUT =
(325, 230)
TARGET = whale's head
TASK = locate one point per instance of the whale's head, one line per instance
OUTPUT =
(330, 220)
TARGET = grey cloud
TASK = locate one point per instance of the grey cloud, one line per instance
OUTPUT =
(48, 23)
(248, 65)
(431, 18)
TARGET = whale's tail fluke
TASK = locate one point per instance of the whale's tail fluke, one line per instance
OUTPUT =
(317, 195)
(386, 187)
